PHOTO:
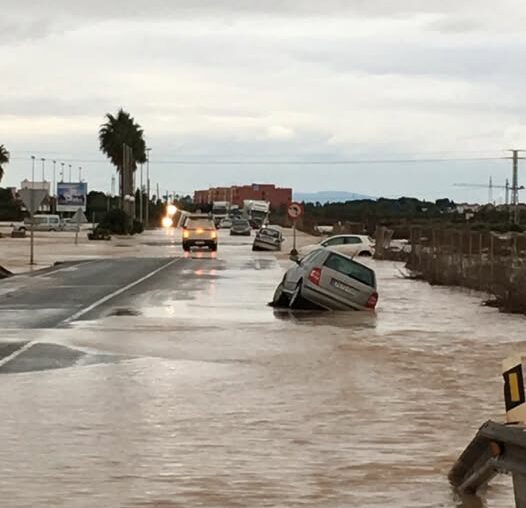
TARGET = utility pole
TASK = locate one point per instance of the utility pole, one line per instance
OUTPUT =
(507, 194)
(515, 185)
(490, 191)
(147, 215)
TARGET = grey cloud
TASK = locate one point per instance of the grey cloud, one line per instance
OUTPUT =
(480, 61)
(39, 106)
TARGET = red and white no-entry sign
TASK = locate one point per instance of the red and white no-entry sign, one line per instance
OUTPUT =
(295, 210)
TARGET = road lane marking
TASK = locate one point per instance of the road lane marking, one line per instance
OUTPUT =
(13, 355)
(71, 268)
(108, 297)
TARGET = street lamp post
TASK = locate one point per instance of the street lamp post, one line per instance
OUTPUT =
(69, 166)
(141, 198)
(43, 169)
(54, 190)
(80, 173)
(62, 172)
(147, 221)
(32, 241)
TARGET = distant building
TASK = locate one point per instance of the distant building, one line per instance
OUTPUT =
(277, 196)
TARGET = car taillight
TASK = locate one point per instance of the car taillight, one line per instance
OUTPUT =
(372, 301)
(186, 233)
(315, 276)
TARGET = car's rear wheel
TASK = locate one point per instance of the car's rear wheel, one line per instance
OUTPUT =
(213, 248)
(186, 247)
(365, 253)
(280, 299)
(296, 300)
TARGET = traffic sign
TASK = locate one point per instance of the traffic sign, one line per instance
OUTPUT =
(79, 217)
(32, 198)
(295, 210)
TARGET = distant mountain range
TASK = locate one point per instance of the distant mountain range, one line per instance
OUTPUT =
(328, 196)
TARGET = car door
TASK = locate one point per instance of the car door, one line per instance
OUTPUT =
(353, 246)
(336, 243)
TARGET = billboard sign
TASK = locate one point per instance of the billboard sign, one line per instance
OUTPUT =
(71, 196)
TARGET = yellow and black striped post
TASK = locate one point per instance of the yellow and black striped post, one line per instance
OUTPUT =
(514, 393)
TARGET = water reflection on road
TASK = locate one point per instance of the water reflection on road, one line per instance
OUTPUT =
(216, 399)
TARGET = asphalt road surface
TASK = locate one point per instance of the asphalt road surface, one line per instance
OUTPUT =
(168, 381)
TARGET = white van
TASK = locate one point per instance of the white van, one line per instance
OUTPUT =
(43, 223)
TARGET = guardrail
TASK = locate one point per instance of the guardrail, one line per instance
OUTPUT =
(498, 447)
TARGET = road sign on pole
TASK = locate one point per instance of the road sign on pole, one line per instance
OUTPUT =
(32, 199)
(79, 218)
(295, 211)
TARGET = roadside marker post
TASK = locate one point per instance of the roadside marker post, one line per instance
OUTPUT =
(514, 394)
(295, 211)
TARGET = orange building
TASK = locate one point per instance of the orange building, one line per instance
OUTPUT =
(277, 196)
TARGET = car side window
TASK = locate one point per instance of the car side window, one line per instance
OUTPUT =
(354, 240)
(309, 257)
(334, 241)
(313, 256)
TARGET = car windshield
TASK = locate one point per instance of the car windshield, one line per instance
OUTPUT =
(352, 269)
(200, 224)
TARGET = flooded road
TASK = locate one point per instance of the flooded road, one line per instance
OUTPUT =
(187, 390)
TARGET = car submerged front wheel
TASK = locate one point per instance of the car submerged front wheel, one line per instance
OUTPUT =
(280, 298)
(296, 300)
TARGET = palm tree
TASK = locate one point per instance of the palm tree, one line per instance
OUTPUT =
(115, 136)
(4, 159)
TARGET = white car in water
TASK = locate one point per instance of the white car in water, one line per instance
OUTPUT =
(350, 245)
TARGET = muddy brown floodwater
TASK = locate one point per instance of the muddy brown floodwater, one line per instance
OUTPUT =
(214, 399)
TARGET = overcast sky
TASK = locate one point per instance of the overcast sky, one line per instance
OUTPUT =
(261, 81)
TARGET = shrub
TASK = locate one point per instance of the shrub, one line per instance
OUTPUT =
(137, 228)
(117, 221)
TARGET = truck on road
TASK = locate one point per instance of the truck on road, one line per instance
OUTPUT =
(257, 212)
(220, 211)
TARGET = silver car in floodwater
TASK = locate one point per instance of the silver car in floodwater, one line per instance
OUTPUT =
(268, 239)
(330, 280)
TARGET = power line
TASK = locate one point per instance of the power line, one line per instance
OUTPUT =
(252, 162)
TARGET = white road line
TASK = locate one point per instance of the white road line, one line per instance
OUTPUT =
(67, 268)
(12, 356)
(118, 292)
